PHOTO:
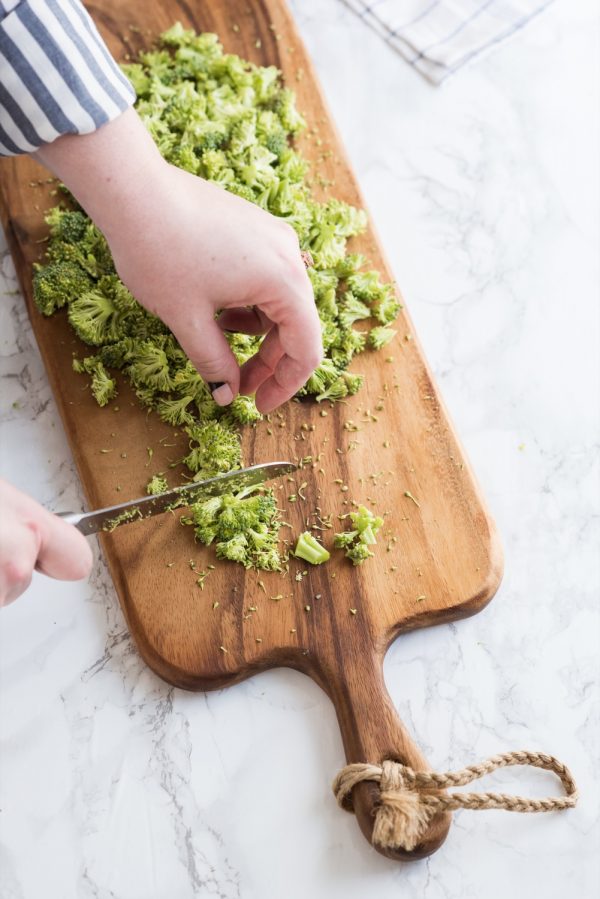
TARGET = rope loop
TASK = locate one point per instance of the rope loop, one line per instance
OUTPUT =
(409, 799)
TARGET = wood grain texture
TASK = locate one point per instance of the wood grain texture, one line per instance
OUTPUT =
(446, 563)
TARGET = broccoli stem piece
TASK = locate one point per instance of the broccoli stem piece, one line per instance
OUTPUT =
(310, 549)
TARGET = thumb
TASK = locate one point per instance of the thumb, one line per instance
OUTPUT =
(64, 552)
(210, 354)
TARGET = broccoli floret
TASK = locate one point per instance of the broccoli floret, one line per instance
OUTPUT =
(352, 310)
(175, 411)
(353, 381)
(93, 316)
(380, 336)
(67, 225)
(366, 286)
(347, 342)
(150, 367)
(356, 542)
(156, 485)
(310, 549)
(214, 449)
(103, 386)
(204, 518)
(245, 526)
(345, 539)
(322, 377)
(235, 549)
(358, 553)
(337, 390)
(387, 306)
(243, 346)
(243, 409)
(350, 264)
(59, 283)
(116, 355)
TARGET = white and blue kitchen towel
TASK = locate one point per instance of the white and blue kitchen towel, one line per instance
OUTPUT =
(437, 37)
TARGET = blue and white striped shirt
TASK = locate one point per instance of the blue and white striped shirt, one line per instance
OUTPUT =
(56, 75)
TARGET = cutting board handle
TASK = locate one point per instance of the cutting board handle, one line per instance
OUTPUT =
(372, 732)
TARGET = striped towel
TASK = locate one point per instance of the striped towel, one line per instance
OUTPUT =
(437, 37)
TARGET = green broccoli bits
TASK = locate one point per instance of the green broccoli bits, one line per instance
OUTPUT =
(244, 527)
(356, 542)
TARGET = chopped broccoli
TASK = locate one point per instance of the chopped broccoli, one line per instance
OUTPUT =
(59, 283)
(243, 409)
(352, 309)
(353, 381)
(175, 411)
(380, 336)
(358, 552)
(356, 542)
(149, 367)
(103, 387)
(310, 549)
(156, 485)
(245, 527)
(230, 121)
(124, 517)
(93, 315)
(214, 449)
(67, 225)
(337, 390)
(387, 306)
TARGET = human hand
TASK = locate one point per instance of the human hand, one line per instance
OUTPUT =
(32, 538)
(186, 248)
(201, 249)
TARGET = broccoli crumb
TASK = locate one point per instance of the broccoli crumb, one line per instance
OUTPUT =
(122, 518)
(157, 485)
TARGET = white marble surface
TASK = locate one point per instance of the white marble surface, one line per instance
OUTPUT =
(115, 785)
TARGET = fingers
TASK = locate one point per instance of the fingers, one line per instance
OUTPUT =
(288, 355)
(64, 553)
(299, 343)
(31, 537)
(18, 552)
(210, 354)
(287, 378)
(244, 321)
(260, 367)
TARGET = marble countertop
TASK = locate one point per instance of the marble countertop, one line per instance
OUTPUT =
(113, 784)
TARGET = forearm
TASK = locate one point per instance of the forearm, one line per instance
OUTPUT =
(111, 172)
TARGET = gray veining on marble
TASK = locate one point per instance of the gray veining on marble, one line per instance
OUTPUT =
(116, 786)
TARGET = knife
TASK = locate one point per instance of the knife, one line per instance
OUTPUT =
(113, 516)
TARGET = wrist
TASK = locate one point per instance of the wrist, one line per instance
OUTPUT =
(111, 172)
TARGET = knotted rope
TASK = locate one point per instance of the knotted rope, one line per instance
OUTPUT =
(406, 803)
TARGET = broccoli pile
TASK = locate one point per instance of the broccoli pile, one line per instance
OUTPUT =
(244, 526)
(230, 122)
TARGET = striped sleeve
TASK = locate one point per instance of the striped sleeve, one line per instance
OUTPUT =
(56, 75)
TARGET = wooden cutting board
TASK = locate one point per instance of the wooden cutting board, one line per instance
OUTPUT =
(392, 446)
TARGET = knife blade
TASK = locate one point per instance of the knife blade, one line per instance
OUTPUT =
(136, 509)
